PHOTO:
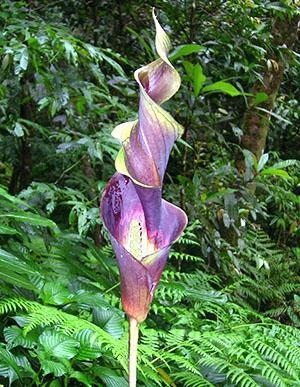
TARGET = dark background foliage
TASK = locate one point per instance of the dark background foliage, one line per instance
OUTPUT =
(227, 310)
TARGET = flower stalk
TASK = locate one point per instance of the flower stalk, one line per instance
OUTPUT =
(133, 345)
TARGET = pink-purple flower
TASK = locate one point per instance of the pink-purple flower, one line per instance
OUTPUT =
(143, 226)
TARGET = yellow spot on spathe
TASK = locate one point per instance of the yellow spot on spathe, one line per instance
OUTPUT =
(137, 242)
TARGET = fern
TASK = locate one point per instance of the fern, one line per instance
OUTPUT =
(44, 316)
(185, 257)
(268, 279)
(211, 333)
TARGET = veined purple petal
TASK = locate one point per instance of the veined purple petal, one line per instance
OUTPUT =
(136, 283)
(155, 80)
(151, 202)
(141, 255)
(147, 143)
(143, 226)
(173, 222)
(125, 217)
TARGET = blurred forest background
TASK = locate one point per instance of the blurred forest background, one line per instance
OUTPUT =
(227, 310)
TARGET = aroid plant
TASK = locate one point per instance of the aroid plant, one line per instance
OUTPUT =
(142, 226)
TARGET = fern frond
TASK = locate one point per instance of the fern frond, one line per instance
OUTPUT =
(191, 380)
(255, 361)
(42, 316)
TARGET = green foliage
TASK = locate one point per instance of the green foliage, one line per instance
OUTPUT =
(52, 84)
(213, 341)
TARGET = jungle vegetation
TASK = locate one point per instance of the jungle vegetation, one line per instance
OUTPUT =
(227, 309)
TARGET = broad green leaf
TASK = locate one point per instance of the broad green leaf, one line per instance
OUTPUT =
(90, 298)
(198, 79)
(285, 164)
(82, 378)
(260, 97)
(34, 125)
(113, 64)
(189, 68)
(24, 59)
(44, 102)
(262, 161)
(21, 59)
(16, 279)
(59, 345)
(109, 320)
(71, 53)
(5, 62)
(55, 383)
(7, 359)
(90, 346)
(250, 163)
(222, 87)
(55, 293)
(277, 6)
(185, 49)
(10, 262)
(259, 263)
(15, 337)
(92, 50)
(110, 377)
(11, 198)
(53, 367)
(31, 219)
(276, 172)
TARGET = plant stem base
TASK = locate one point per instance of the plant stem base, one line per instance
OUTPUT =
(133, 344)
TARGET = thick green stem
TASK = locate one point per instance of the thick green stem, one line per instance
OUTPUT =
(133, 344)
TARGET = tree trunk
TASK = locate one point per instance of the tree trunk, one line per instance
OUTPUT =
(21, 176)
(26, 163)
(256, 122)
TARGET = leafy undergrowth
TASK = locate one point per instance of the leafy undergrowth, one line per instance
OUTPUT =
(62, 323)
(227, 310)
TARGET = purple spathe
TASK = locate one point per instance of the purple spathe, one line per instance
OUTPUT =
(142, 226)
(121, 206)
